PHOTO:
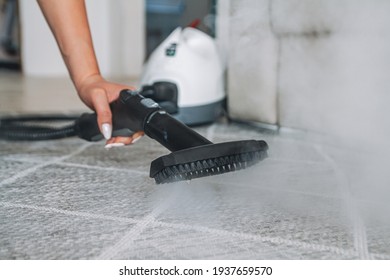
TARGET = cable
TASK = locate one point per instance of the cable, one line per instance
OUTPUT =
(37, 127)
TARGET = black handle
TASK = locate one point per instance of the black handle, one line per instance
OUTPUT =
(171, 133)
(129, 113)
(132, 112)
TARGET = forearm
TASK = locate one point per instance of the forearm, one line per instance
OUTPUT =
(69, 24)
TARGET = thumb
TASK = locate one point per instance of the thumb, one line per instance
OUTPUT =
(104, 116)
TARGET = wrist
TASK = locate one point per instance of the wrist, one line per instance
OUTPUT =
(83, 82)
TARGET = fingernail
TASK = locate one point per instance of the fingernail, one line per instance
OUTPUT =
(107, 130)
(136, 139)
(109, 146)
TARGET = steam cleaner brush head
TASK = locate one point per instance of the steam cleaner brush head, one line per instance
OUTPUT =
(206, 160)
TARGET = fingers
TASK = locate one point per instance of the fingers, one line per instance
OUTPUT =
(136, 136)
(102, 109)
(120, 141)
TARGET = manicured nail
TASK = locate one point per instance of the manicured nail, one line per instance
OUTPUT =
(109, 146)
(107, 130)
(136, 139)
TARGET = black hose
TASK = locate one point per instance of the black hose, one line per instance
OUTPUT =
(37, 127)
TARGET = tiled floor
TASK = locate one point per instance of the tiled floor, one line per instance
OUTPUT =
(69, 199)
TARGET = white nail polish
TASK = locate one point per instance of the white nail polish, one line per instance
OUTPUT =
(136, 139)
(109, 146)
(107, 130)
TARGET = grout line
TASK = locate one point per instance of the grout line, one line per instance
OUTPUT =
(359, 229)
(67, 212)
(274, 240)
(24, 159)
(30, 170)
(239, 184)
(86, 166)
(128, 239)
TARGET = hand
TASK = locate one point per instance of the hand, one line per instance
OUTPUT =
(69, 24)
(97, 93)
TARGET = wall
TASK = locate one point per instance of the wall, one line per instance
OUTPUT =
(118, 32)
(252, 62)
(313, 65)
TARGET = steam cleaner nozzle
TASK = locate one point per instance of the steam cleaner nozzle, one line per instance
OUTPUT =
(192, 155)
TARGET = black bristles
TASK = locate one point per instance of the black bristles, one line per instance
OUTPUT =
(171, 174)
(233, 157)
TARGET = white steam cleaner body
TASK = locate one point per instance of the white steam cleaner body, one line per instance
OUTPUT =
(184, 74)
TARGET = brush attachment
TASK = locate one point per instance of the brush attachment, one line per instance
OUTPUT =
(207, 160)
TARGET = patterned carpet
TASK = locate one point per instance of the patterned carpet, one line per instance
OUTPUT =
(69, 199)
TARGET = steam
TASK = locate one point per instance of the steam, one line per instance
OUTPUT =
(327, 178)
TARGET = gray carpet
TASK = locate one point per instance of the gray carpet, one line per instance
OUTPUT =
(69, 199)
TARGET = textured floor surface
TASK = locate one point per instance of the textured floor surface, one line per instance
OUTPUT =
(311, 199)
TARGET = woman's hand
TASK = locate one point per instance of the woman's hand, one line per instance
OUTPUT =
(97, 94)
(69, 24)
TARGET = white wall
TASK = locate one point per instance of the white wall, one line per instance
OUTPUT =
(118, 31)
(330, 70)
(334, 66)
(252, 62)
